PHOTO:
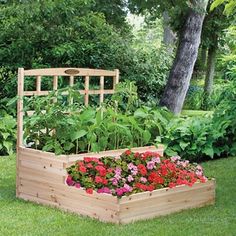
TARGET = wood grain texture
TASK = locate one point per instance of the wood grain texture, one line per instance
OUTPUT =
(41, 179)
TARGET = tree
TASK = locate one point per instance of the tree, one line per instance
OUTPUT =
(58, 33)
(182, 69)
(230, 6)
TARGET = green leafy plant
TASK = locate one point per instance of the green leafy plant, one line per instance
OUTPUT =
(61, 127)
(190, 137)
(7, 134)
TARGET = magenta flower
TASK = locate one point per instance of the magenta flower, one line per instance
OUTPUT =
(119, 191)
(77, 185)
(70, 181)
(104, 190)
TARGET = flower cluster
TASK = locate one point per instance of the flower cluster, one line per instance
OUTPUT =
(132, 173)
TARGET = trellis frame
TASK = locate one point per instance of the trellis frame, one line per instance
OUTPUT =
(54, 73)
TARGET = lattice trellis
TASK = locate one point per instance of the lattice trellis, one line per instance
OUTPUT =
(86, 74)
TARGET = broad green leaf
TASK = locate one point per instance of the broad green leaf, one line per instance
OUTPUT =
(77, 134)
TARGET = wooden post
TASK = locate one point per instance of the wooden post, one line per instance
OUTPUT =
(71, 85)
(20, 115)
(101, 89)
(55, 85)
(38, 84)
(55, 82)
(86, 91)
(71, 80)
(116, 79)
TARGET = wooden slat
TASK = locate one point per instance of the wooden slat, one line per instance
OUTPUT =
(101, 89)
(71, 80)
(42, 154)
(116, 79)
(163, 192)
(35, 93)
(44, 93)
(171, 202)
(86, 91)
(61, 72)
(55, 82)
(20, 115)
(75, 157)
(38, 83)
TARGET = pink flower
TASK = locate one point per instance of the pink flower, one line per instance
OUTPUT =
(128, 188)
(175, 158)
(143, 180)
(114, 181)
(77, 185)
(130, 178)
(156, 160)
(134, 172)
(150, 165)
(131, 166)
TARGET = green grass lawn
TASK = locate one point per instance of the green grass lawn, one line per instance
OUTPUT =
(18, 217)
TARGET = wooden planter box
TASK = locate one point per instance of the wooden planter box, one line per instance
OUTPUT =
(41, 179)
(41, 175)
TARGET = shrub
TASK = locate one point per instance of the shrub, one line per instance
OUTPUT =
(190, 137)
(8, 90)
(149, 70)
(194, 98)
(7, 134)
(59, 33)
(197, 138)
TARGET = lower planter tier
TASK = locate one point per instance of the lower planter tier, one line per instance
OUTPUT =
(41, 179)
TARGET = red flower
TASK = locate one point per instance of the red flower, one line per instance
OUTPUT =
(136, 154)
(98, 179)
(150, 188)
(89, 165)
(164, 170)
(82, 169)
(155, 178)
(128, 152)
(102, 170)
(141, 186)
(142, 169)
(89, 190)
(172, 185)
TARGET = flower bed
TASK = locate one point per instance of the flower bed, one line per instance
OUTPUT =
(132, 173)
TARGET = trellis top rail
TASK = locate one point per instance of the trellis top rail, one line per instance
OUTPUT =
(64, 72)
(70, 72)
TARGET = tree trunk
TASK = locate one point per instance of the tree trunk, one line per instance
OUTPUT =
(203, 57)
(182, 69)
(169, 36)
(210, 70)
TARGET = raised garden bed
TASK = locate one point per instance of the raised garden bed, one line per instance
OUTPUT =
(41, 179)
(41, 175)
